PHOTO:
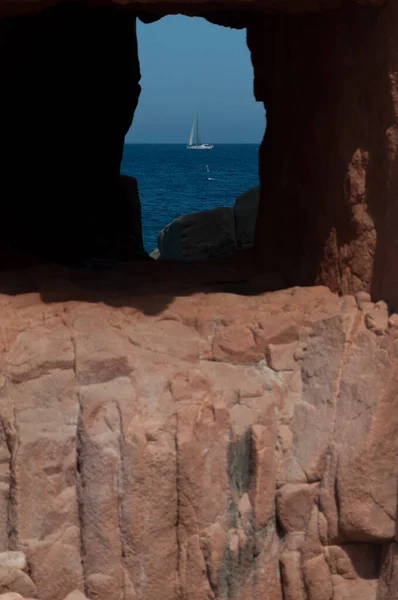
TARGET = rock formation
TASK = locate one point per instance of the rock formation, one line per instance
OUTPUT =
(201, 446)
(199, 236)
(328, 170)
(328, 161)
(69, 90)
(18, 7)
(132, 243)
(211, 233)
(168, 431)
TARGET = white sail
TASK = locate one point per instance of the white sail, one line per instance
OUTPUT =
(192, 132)
(198, 145)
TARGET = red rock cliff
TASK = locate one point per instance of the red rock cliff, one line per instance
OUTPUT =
(208, 446)
(165, 441)
(328, 163)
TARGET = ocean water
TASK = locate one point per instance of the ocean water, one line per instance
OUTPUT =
(174, 181)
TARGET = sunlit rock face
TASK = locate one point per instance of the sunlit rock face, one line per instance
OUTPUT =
(181, 444)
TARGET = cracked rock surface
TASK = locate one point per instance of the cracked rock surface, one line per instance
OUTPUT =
(222, 446)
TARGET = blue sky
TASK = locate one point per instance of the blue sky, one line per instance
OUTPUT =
(188, 64)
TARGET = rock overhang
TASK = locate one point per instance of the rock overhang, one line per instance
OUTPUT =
(11, 8)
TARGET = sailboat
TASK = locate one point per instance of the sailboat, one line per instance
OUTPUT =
(198, 144)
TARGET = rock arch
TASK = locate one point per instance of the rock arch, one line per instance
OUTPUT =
(328, 160)
(141, 416)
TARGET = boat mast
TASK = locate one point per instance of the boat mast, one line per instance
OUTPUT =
(197, 130)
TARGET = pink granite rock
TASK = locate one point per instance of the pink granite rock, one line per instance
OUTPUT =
(162, 455)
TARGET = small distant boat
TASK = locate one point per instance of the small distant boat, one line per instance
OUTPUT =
(198, 145)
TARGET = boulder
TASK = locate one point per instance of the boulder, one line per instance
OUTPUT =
(199, 236)
(13, 579)
(211, 233)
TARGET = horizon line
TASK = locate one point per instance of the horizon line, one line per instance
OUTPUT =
(184, 143)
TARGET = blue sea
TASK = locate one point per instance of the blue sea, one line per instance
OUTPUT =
(174, 181)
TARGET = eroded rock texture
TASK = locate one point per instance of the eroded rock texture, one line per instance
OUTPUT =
(329, 211)
(208, 446)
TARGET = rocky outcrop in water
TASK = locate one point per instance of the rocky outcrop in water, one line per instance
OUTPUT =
(211, 233)
(199, 236)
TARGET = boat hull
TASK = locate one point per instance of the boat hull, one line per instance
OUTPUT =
(200, 147)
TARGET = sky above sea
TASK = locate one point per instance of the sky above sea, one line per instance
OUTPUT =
(189, 65)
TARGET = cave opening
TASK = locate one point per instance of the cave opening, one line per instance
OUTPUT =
(196, 78)
(72, 108)
(328, 162)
